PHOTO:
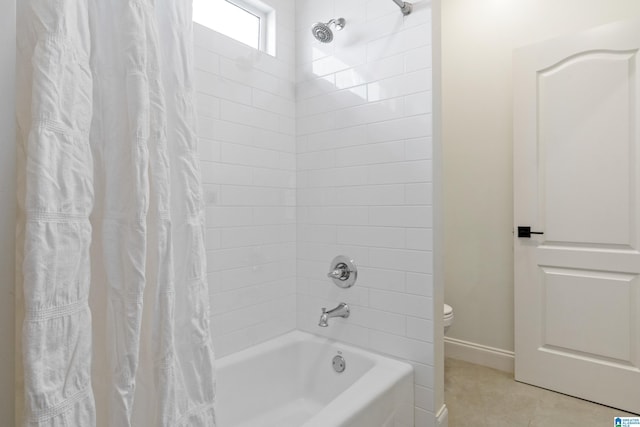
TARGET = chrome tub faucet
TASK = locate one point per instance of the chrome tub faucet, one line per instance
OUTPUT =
(342, 310)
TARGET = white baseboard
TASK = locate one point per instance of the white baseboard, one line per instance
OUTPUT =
(479, 354)
(442, 417)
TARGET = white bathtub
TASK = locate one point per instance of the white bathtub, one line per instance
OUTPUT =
(290, 382)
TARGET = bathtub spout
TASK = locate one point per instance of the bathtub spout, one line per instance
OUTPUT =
(342, 310)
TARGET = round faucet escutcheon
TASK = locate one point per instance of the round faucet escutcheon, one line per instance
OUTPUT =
(343, 271)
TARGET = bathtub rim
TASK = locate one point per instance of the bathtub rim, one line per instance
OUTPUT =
(385, 374)
(297, 335)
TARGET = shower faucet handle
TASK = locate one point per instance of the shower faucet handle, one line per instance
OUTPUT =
(343, 271)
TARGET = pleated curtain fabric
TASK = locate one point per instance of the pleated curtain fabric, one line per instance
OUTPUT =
(111, 258)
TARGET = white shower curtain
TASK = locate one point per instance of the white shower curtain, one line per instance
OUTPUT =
(111, 267)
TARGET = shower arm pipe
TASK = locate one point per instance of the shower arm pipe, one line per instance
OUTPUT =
(404, 6)
(338, 23)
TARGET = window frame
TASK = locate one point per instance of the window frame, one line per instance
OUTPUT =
(258, 13)
(266, 23)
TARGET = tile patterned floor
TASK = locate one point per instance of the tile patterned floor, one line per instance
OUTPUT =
(477, 396)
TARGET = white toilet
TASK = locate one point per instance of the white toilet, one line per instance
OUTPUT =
(448, 317)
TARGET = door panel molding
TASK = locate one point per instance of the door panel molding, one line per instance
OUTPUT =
(576, 179)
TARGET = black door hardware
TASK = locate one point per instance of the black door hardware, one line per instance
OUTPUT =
(526, 232)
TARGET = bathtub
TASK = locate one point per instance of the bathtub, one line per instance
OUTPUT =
(290, 382)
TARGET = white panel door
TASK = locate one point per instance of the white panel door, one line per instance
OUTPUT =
(576, 179)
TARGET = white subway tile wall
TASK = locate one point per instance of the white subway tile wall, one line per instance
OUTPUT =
(364, 179)
(246, 127)
(322, 150)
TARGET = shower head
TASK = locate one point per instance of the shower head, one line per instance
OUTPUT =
(323, 33)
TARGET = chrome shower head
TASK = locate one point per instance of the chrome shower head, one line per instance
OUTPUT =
(323, 33)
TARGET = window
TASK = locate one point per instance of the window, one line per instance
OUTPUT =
(248, 21)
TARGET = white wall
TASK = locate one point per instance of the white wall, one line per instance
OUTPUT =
(477, 43)
(365, 179)
(247, 147)
(438, 217)
(7, 207)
